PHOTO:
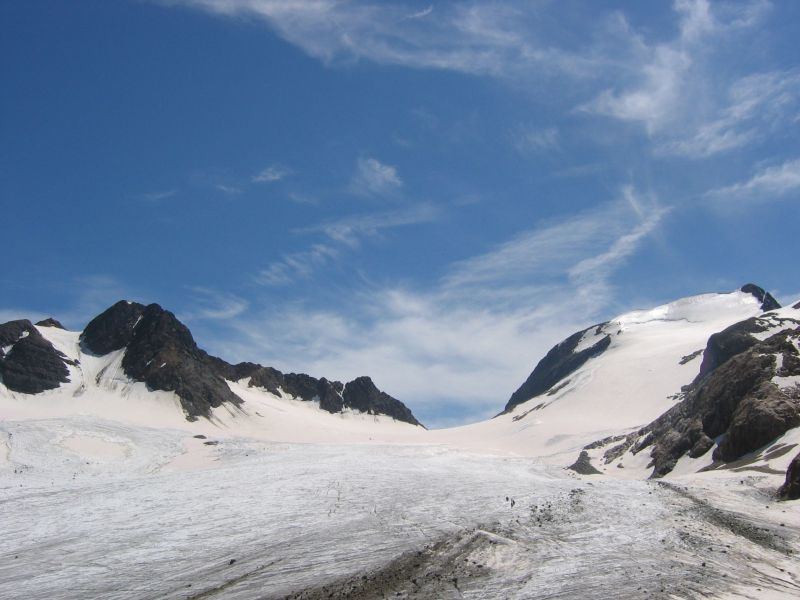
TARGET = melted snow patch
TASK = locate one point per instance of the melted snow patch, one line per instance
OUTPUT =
(94, 447)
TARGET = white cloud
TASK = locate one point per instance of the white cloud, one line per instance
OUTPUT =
(228, 189)
(754, 107)
(350, 230)
(529, 139)
(341, 234)
(768, 184)
(271, 174)
(208, 304)
(471, 37)
(685, 102)
(374, 178)
(157, 196)
(297, 265)
(473, 337)
(674, 89)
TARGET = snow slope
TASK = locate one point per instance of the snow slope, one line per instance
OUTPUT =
(632, 382)
(354, 521)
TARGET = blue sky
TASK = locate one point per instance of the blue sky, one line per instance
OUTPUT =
(431, 193)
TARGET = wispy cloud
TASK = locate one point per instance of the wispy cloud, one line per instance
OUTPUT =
(271, 174)
(209, 304)
(674, 88)
(228, 189)
(770, 183)
(374, 178)
(421, 14)
(473, 37)
(562, 246)
(755, 106)
(531, 139)
(685, 102)
(341, 234)
(157, 196)
(297, 265)
(472, 337)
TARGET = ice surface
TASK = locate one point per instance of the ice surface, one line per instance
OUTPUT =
(262, 520)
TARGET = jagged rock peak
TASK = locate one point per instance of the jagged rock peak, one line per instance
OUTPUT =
(50, 322)
(768, 302)
(161, 352)
(113, 328)
(29, 364)
(362, 394)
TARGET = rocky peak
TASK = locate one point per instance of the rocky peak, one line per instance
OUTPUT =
(50, 322)
(362, 394)
(333, 396)
(113, 328)
(766, 299)
(162, 353)
(29, 364)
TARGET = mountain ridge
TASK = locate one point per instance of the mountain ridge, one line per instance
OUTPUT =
(160, 351)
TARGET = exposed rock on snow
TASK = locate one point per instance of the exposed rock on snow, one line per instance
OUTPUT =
(113, 328)
(583, 466)
(738, 403)
(790, 490)
(50, 322)
(163, 354)
(159, 351)
(561, 361)
(361, 394)
(28, 362)
(766, 299)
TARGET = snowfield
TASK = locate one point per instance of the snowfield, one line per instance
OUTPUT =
(107, 491)
(273, 520)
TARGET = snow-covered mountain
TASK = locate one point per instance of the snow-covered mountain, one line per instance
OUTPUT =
(135, 465)
(140, 365)
(614, 378)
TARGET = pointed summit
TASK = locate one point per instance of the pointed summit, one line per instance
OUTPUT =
(766, 299)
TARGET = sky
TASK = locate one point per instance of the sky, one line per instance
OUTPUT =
(429, 193)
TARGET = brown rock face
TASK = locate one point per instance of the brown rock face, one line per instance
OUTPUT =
(790, 490)
(737, 403)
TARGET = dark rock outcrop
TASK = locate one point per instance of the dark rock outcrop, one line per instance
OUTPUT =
(162, 353)
(361, 394)
(560, 361)
(583, 465)
(50, 322)
(736, 404)
(29, 364)
(113, 328)
(766, 299)
(790, 490)
(728, 343)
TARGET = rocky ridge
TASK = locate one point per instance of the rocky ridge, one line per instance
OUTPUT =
(745, 396)
(161, 352)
